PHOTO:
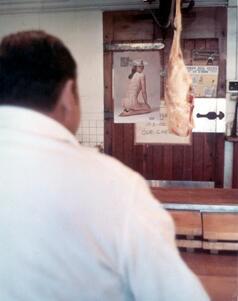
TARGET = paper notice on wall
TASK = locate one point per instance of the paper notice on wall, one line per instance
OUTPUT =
(158, 132)
(204, 79)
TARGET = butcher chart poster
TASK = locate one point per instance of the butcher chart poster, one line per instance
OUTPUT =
(136, 86)
(205, 80)
(157, 132)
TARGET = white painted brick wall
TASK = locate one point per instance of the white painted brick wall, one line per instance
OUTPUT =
(83, 34)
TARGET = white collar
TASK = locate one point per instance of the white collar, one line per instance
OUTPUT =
(27, 120)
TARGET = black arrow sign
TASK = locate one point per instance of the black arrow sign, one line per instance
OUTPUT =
(211, 115)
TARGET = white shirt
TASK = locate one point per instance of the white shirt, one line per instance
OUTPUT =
(76, 225)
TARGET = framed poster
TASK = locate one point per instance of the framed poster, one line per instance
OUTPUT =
(158, 132)
(205, 80)
(136, 86)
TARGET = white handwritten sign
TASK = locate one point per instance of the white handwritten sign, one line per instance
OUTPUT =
(157, 132)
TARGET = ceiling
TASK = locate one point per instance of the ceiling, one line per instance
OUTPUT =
(17, 6)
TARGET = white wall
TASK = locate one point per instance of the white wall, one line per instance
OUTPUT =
(82, 33)
(231, 74)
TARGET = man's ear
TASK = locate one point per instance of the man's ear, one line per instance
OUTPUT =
(68, 98)
(67, 108)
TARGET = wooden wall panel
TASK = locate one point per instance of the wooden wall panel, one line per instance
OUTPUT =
(151, 161)
(209, 156)
(108, 133)
(188, 46)
(203, 160)
(158, 163)
(187, 163)
(178, 162)
(204, 23)
(167, 167)
(132, 28)
(219, 160)
(235, 166)
(198, 159)
(139, 158)
(221, 33)
(200, 44)
(108, 105)
(129, 149)
(118, 141)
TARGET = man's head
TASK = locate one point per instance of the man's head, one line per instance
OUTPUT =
(37, 71)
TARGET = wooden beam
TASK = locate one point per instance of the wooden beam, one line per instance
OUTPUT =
(187, 222)
(220, 226)
(221, 246)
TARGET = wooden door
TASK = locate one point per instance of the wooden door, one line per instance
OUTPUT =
(203, 160)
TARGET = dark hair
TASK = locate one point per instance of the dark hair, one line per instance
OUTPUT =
(133, 71)
(34, 66)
